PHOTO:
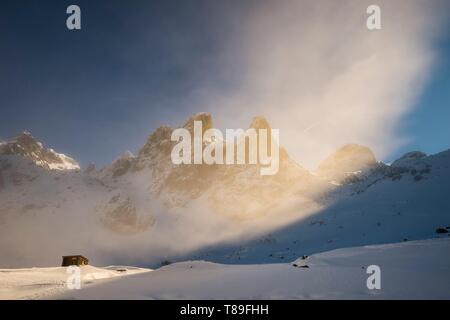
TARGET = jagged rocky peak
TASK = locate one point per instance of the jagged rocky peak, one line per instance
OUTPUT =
(27, 139)
(204, 117)
(27, 146)
(159, 141)
(408, 158)
(121, 165)
(22, 144)
(160, 134)
(260, 123)
(348, 159)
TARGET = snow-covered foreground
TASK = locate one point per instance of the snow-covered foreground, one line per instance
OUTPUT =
(409, 270)
(39, 283)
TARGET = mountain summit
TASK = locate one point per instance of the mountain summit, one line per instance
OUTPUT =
(349, 159)
(27, 146)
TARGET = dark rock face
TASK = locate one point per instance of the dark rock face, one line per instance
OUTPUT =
(122, 165)
(204, 117)
(158, 141)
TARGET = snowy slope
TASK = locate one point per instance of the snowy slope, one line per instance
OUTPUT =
(390, 204)
(38, 283)
(412, 270)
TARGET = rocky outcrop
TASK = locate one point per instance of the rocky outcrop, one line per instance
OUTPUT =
(123, 164)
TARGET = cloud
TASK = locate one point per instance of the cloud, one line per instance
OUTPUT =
(320, 76)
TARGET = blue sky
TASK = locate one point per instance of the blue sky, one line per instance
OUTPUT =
(135, 65)
(428, 124)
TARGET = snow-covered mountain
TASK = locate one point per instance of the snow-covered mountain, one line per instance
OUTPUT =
(144, 209)
(405, 201)
(347, 161)
(26, 146)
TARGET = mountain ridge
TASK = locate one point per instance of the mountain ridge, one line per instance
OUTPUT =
(27, 146)
(150, 209)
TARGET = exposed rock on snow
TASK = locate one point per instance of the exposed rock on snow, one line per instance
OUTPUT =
(204, 117)
(121, 165)
(25, 145)
(408, 158)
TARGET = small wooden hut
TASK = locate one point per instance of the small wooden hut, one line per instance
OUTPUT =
(77, 260)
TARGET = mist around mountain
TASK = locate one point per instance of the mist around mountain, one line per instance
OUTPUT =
(143, 210)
